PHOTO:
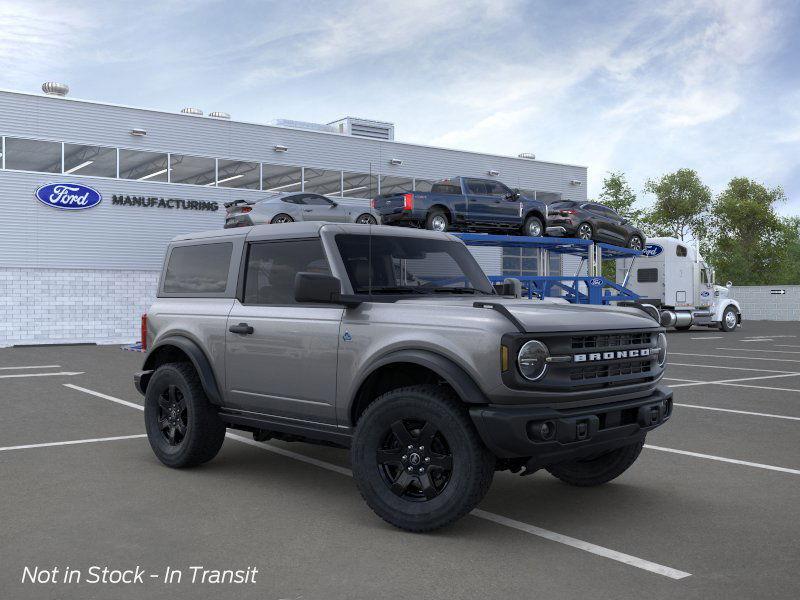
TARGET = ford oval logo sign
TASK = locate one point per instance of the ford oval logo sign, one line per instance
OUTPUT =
(652, 250)
(68, 196)
(596, 281)
(705, 294)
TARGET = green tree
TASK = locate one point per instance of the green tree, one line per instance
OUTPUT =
(618, 195)
(681, 205)
(749, 243)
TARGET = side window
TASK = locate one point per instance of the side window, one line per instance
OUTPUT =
(704, 276)
(495, 188)
(272, 266)
(445, 187)
(681, 250)
(315, 200)
(647, 275)
(294, 199)
(476, 186)
(198, 269)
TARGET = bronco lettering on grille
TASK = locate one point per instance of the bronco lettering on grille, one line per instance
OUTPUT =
(595, 356)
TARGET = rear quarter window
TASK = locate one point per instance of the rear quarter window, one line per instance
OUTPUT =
(198, 269)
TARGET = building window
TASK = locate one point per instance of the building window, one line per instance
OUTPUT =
(322, 181)
(280, 178)
(360, 185)
(33, 155)
(96, 161)
(194, 170)
(396, 185)
(144, 166)
(237, 174)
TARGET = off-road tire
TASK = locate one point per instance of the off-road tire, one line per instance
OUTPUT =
(205, 431)
(431, 219)
(597, 471)
(281, 218)
(472, 464)
(723, 325)
(530, 223)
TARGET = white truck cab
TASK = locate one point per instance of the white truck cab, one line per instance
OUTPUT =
(672, 276)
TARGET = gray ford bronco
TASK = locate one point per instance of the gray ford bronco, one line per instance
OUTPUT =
(393, 343)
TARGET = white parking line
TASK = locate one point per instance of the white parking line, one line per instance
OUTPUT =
(673, 364)
(73, 442)
(739, 357)
(31, 367)
(733, 381)
(787, 346)
(16, 375)
(740, 412)
(723, 459)
(759, 350)
(708, 337)
(761, 387)
(481, 514)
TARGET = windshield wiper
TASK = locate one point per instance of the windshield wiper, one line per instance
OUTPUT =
(458, 290)
(388, 289)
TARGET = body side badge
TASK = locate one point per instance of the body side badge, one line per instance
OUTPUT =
(347, 337)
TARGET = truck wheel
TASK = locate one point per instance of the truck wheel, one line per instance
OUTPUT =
(437, 220)
(182, 426)
(417, 459)
(729, 320)
(597, 470)
(533, 227)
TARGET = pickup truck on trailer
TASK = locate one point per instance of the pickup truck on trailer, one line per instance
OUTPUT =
(465, 204)
(392, 342)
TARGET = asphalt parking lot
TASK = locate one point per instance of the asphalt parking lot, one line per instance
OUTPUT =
(710, 510)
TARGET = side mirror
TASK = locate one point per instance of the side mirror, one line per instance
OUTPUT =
(334, 204)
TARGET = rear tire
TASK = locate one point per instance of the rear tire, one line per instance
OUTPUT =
(417, 458)
(281, 218)
(599, 470)
(584, 232)
(183, 427)
(437, 220)
(635, 243)
(366, 219)
(729, 320)
(533, 227)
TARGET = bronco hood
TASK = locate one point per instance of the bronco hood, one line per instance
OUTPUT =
(537, 316)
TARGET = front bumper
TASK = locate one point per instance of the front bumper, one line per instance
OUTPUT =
(399, 216)
(514, 431)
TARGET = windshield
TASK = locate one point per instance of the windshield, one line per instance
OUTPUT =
(383, 264)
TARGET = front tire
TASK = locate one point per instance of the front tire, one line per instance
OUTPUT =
(183, 427)
(635, 243)
(417, 459)
(729, 320)
(584, 232)
(367, 219)
(597, 470)
(533, 227)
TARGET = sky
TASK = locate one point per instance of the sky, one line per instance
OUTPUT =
(639, 87)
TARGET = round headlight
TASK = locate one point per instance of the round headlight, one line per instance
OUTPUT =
(662, 349)
(531, 360)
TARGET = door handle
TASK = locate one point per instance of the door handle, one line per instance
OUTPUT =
(241, 328)
(308, 209)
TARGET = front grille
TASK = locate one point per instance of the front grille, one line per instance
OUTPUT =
(611, 340)
(601, 371)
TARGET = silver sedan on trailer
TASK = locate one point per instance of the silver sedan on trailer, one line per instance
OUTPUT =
(288, 207)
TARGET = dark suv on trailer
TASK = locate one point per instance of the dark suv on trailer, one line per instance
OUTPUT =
(593, 221)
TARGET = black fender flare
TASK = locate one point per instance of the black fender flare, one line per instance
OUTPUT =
(198, 359)
(463, 384)
(535, 212)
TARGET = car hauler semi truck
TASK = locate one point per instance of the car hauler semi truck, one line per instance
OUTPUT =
(672, 276)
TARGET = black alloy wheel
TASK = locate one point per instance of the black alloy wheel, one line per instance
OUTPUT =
(584, 231)
(366, 219)
(172, 417)
(414, 460)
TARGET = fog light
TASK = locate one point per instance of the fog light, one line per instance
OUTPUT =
(543, 431)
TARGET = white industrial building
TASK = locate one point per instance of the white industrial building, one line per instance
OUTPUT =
(69, 276)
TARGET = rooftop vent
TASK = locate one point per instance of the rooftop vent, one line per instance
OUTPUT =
(219, 115)
(303, 125)
(192, 111)
(527, 155)
(376, 130)
(51, 88)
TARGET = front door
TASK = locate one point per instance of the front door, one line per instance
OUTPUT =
(320, 208)
(281, 356)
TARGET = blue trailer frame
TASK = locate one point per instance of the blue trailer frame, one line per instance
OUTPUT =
(599, 290)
